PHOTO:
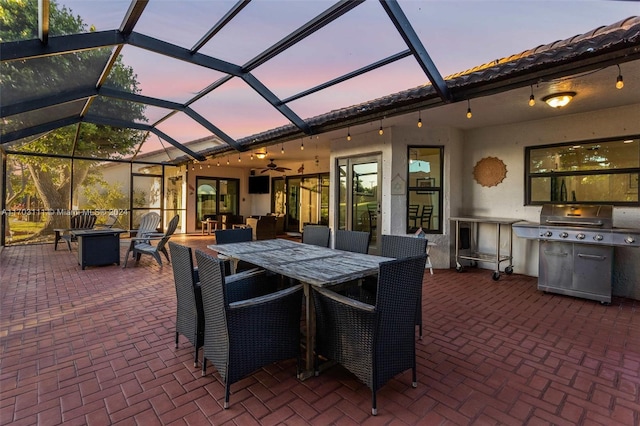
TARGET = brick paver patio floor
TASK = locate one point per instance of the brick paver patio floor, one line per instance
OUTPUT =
(96, 347)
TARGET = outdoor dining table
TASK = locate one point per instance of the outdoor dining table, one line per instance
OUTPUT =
(309, 264)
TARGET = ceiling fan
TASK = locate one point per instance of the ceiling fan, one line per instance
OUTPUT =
(274, 167)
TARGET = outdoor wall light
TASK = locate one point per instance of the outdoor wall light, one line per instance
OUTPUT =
(558, 100)
(532, 99)
(619, 80)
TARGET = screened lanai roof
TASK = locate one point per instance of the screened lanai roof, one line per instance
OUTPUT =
(160, 73)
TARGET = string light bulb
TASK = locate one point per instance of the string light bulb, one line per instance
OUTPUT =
(251, 155)
(619, 80)
(282, 149)
(380, 131)
(419, 119)
(301, 145)
(239, 159)
(218, 163)
(348, 134)
(469, 115)
(227, 160)
(532, 99)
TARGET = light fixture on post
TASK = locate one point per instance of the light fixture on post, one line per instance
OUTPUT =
(380, 131)
(619, 80)
(532, 99)
(558, 100)
(348, 134)
(419, 119)
(469, 115)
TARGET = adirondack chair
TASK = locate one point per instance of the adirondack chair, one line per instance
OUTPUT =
(144, 245)
(79, 221)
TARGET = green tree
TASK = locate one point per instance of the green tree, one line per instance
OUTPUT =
(27, 79)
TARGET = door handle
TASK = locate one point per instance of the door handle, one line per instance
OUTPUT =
(591, 256)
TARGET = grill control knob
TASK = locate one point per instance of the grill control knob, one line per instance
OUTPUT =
(564, 235)
(629, 240)
(580, 236)
(547, 234)
(598, 237)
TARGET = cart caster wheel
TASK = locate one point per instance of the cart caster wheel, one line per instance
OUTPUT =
(605, 303)
(459, 268)
(508, 270)
(496, 276)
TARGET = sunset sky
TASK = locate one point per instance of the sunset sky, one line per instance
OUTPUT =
(457, 34)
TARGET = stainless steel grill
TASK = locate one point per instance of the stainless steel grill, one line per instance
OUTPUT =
(576, 248)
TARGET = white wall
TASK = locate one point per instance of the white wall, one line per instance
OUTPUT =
(507, 198)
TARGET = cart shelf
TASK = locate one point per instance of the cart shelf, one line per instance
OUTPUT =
(476, 256)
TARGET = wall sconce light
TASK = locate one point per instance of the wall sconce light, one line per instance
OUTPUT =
(558, 100)
(348, 134)
(619, 80)
(419, 119)
(469, 115)
(380, 131)
(532, 99)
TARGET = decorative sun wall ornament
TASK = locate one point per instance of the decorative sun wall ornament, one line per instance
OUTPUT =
(489, 171)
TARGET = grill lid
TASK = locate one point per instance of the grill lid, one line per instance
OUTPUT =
(598, 216)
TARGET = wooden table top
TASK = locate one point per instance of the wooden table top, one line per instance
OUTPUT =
(319, 266)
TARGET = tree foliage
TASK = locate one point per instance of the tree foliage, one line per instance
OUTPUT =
(29, 79)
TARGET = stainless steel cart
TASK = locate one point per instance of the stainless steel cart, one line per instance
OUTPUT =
(474, 255)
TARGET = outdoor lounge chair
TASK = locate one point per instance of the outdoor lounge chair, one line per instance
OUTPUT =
(374, 342)
(77, 222)
(144, 245)
(244, 333)
(149, 223)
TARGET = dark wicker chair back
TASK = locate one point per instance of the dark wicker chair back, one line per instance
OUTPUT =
(189, 314)
(399, 246)
(238, 235)
(228, 236)
(354, 241)
(317, 235)
(243, 337)
(376, 342)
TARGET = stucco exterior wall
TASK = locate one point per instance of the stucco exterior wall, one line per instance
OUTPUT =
(507, 199)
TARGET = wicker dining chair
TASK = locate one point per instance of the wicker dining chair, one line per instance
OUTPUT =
(237, 235)
(317, 235)
(354, 241)
(189, 313)
(244, 333)
(397, 247)
(374, 342)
